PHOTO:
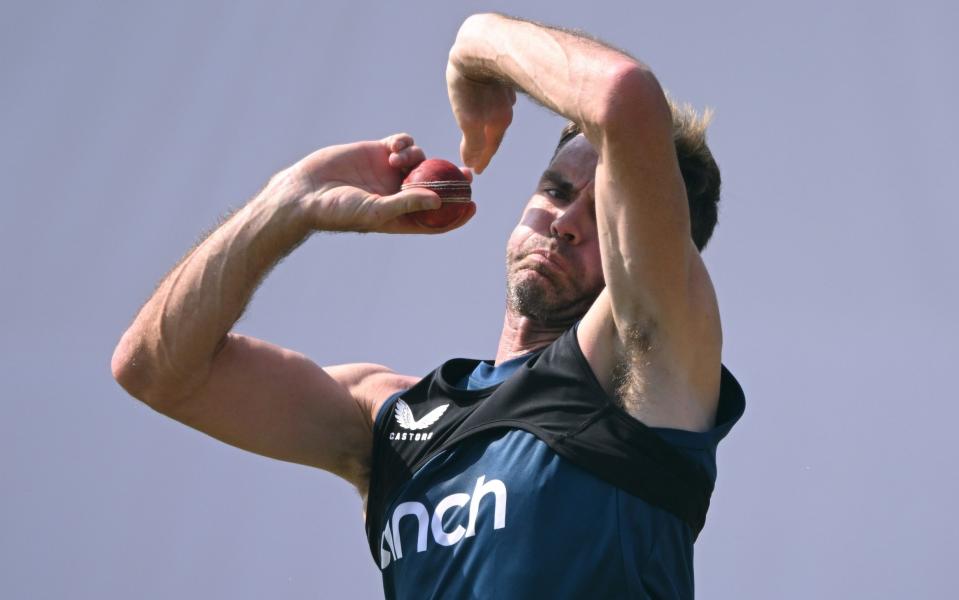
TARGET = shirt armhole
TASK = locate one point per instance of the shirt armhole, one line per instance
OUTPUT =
(377, 423)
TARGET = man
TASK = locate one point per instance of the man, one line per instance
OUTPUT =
(579, 463)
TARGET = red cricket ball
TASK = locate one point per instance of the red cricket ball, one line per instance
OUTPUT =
(446, 179)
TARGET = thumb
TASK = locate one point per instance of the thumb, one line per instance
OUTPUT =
(409, 200)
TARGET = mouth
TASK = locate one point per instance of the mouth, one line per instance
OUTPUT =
(551, 259)
(544, 266)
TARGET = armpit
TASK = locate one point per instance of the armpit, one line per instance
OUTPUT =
(632, 367)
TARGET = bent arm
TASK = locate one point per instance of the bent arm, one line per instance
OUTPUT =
(658, 298)
(278, 403)
(570, 74)
(653, 273)
(168, 351)
(180, 357)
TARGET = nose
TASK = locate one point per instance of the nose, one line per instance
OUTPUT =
(567, 236)
(571, 224)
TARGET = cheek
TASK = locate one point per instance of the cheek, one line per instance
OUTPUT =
(536, 218)
(514, 245)
(524, 236)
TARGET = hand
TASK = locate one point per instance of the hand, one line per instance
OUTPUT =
(483, 111)
(356, 187)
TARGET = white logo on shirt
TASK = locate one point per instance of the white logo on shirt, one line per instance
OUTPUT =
(404, 416)
(391, 547)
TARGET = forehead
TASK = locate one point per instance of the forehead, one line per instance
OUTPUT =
(576, 160)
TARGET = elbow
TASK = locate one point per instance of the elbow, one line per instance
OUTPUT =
(139, 383)
(128, 372)
(631, 101)
(151, 379)
(123, 364)
(134, 372)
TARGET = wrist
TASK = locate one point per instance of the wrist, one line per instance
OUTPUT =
(287, 197)
(473, 53)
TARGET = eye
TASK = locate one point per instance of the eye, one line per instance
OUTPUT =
(555, 193)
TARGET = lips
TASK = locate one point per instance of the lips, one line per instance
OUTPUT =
(552, 258)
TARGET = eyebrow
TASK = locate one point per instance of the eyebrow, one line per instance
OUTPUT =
(558, 180)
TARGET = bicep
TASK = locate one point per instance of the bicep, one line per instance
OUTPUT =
(643, 220)
(660, 297)
(659, 289)
(278, 403)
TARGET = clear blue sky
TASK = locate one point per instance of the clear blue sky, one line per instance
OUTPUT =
(128, 128)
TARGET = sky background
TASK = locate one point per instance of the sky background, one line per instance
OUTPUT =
(128, 128)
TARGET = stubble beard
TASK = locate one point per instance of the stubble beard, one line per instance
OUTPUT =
(547, 298)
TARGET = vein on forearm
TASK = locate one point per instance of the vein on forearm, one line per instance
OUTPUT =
(195, 306)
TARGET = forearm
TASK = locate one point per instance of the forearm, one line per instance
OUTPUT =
(573, 75)
(168, 349)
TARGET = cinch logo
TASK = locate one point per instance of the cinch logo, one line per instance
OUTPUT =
(391, 546)
(404, 416)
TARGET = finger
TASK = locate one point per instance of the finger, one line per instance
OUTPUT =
(397, 141)
(468, 173)
(494, 137)
(483, 158)
(463, 220)
(407, 158)
(478, 151)
(471, 151)
(474, 138)
(466, 217)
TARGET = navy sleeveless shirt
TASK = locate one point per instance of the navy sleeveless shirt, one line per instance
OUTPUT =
(571, 498)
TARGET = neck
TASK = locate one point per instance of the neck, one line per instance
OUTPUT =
(522, 335)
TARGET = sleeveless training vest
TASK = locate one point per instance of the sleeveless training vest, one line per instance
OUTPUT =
(554, 396)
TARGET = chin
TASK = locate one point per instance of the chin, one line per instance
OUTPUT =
(532, 297)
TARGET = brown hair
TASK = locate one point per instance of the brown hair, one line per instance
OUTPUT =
(696, 162)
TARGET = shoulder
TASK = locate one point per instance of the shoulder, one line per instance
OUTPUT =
(371, 385)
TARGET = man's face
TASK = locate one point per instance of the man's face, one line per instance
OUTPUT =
(553, 268)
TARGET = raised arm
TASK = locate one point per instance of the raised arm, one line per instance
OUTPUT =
(180, 357)
(658, 299)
